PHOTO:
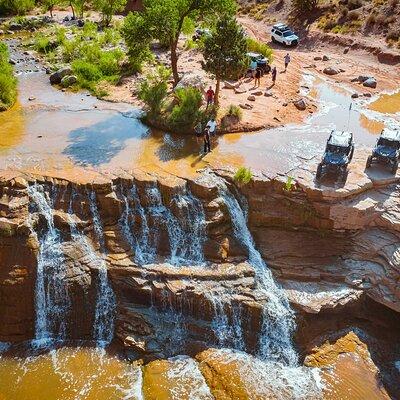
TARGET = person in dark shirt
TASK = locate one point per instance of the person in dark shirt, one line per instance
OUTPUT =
(273, 75)
(257, 78)
(207, 141)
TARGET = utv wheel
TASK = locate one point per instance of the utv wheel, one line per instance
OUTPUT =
(319, 171)
(369, 161)
(273, 39)
(394, 167)
(343, 176)
(351, 154)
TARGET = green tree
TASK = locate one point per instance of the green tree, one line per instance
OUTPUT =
(137, 38)
(108, 8)
(225, 52)
(165, 19)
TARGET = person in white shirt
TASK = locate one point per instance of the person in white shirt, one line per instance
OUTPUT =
(212, 126)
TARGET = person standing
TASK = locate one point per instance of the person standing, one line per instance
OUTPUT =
(257, 78)
(287, 61)
(198, 131)
(253, 67)
(210, 96)
(273, 75)
(207, 141)
(212, 126)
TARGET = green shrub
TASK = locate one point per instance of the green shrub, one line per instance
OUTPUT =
(43, 44)
(8, 82)
(243, 175)
(289, 185)
(12, 7)
(255, 46)
(154, 89)
(187, 112)
(188, 26)
(235, 111)
(86, 71)
(304, 6)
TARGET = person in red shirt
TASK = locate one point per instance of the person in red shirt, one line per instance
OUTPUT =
(210, 96)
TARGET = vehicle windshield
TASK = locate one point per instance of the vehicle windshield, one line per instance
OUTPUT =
(336, 149)
(388, 143)
(288, 33)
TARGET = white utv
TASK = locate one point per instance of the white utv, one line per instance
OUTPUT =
(281, 33)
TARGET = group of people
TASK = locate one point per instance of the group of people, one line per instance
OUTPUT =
(257, 73)
(210, 130)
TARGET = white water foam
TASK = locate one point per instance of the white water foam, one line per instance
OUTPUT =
(51, 294)
(103, 329)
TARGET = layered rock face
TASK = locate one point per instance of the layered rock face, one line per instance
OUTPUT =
(329, 240)
(177, 269)
(172, 261)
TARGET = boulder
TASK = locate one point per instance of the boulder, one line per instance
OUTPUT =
(231, 85)
(15, 27)
(68, 80)
(370, 82)
(300, 104)
(257, 93)
(191, 80)
(325, 58)
(346, 50)
(330, 71)
(240, 90)
(56, 77)
(355, 96)
(268, 94)
(246, 106)
(251, 98)
(317, 58)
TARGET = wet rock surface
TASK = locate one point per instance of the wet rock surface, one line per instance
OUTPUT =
(333, 252)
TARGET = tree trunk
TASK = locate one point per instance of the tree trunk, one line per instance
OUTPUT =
(174, 62)
(51, 12)
(217, 89)
(72, 9)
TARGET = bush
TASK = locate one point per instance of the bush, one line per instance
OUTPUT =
(187, 112)
(235, 111)
(255, 46)
(304, 6)
(8, 82)
(243, 175)
(154, 89)
(16, 7)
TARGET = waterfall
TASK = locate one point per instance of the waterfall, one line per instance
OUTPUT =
(51, 293)
(228, 332)
(145, 252)
(275, 339)
(103, 329)
(186, 234)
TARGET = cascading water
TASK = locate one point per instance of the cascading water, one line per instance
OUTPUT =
(186, 234)
(103, 329)
(275, 340)
(228, 331)
(51, 294)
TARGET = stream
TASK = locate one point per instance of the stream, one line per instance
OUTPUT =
(64, 132)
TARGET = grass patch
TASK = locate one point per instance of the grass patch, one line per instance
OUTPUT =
(243, 175)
